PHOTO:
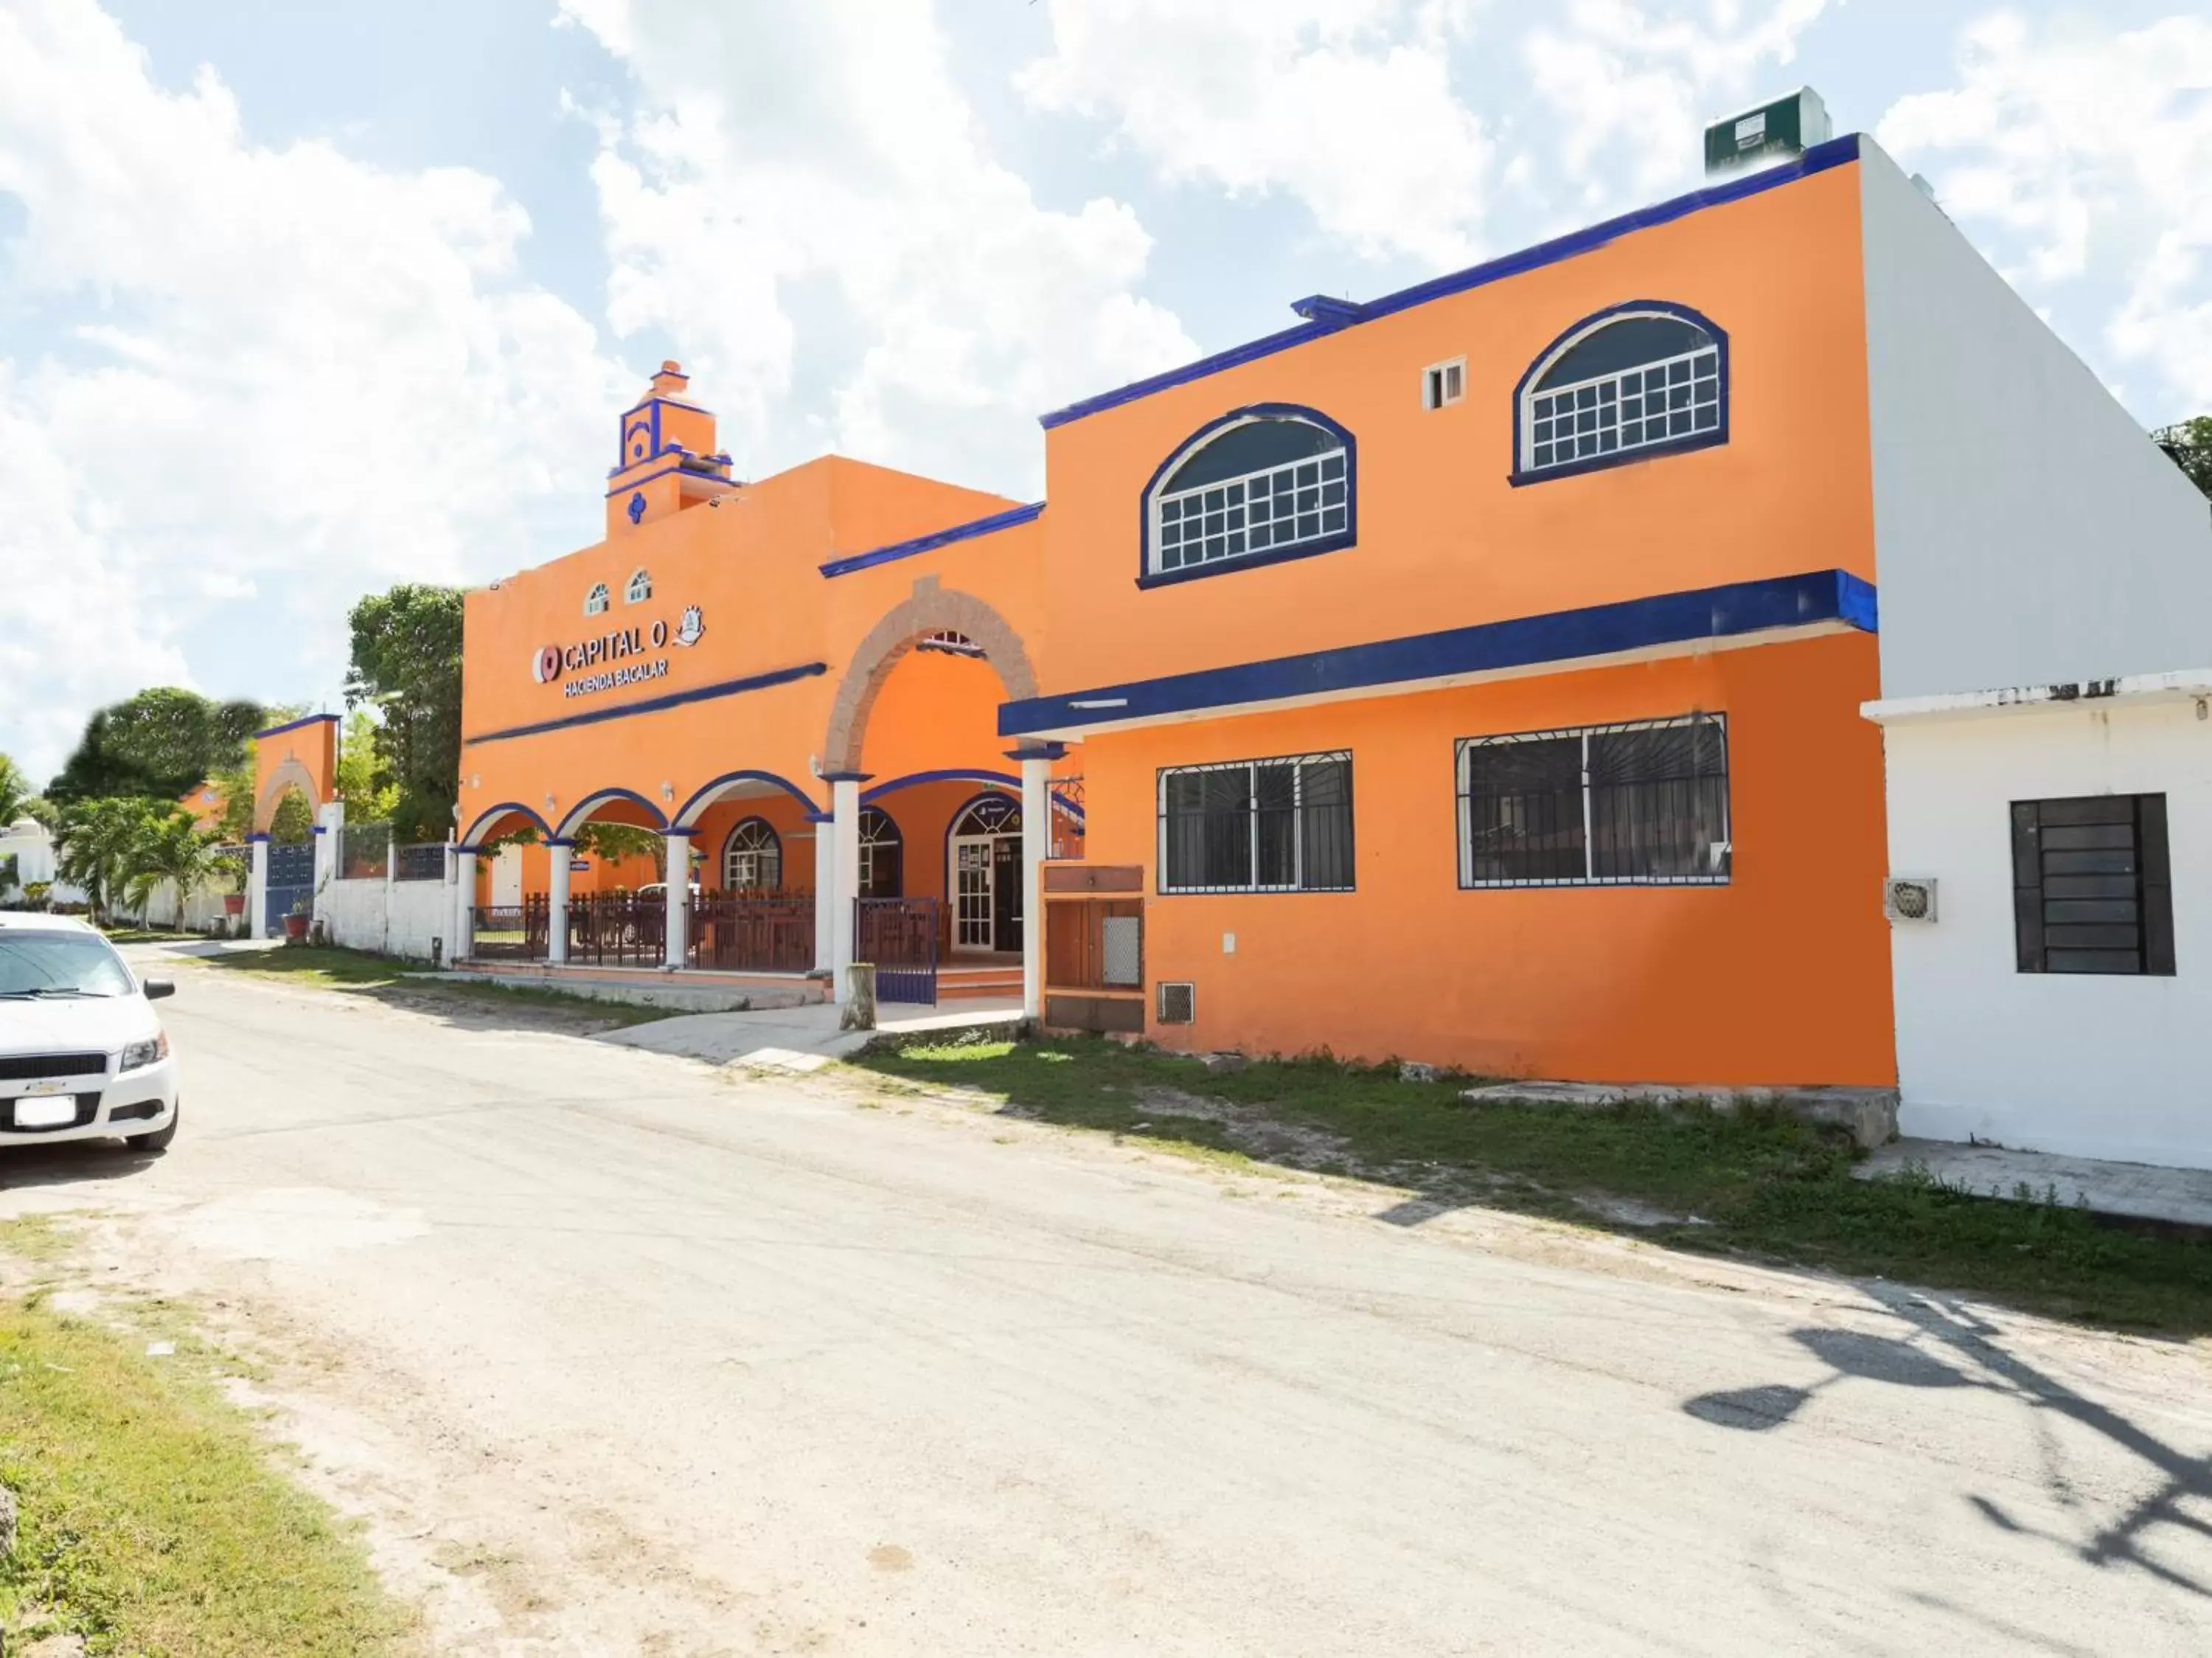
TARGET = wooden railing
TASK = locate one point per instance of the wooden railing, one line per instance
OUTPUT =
(760, 932)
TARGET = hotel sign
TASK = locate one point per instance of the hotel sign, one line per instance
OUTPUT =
(620, 656)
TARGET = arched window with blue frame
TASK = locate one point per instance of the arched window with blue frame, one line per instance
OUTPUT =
(1274, 481)
(1635, 380)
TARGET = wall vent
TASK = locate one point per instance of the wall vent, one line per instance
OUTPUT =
(1178, 1003)
(1909, 898)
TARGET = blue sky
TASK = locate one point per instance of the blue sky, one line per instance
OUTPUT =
(297, 301)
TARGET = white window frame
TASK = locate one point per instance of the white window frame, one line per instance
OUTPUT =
(1444, 384)
(1608, 394)
(1464, 766)
(1240, 487)
(731, 849)
(596, 602)
(1298, 762)
(640, 589)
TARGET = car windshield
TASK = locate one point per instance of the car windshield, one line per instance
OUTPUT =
(38, 964)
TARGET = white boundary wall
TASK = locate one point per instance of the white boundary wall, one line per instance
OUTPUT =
(2088, 1065)
(399, 917)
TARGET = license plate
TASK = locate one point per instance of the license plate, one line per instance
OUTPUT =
(45, 1110)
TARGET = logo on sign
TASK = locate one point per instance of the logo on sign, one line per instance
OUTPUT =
(546, 664)
(689, 629)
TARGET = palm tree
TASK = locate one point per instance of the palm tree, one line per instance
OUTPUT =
(14, 791)
(92, 845)
(173, 850)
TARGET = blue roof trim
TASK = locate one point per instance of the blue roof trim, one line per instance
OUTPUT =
(294, 725)
(1561, 636)
(934, 539)
(654, 705)
(492, 815)
(1837, 152)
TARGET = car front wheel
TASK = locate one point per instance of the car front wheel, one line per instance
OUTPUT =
(159, 1138)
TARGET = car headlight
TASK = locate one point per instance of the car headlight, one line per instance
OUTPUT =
(141, 1054)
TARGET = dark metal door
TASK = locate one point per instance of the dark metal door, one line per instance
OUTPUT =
(899, 935)
(1006, 893)
(291, 879)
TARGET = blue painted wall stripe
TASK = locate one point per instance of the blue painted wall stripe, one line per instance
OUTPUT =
(1561, 636)
(294, 725)
(934, 539)
(1837, 152)
(654, 705)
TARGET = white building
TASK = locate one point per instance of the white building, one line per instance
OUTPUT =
(2046, 586)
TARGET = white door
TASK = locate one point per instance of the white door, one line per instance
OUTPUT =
(972, 894)
(507, 878)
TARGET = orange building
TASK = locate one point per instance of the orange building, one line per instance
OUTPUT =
(1470, 675)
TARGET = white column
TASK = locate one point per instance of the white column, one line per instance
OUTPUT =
(257, 889)
(825, 895)
(559, 856)
(1036, 846)
(679, 893)
(465, 903)
(329, 835)
(845, 860)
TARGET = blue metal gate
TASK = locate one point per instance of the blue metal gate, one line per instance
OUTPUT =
(899, 935)
(291, 879)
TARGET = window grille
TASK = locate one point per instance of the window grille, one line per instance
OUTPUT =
(1631, 383)
(1274, 825)
(882, 856)
(1265, 485)
(595, 601)
(752, 858)
(640, 589)
(2093, 886)
(1644, 803)
(948, 643)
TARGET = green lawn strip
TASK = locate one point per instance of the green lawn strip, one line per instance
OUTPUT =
(1755, 1182)
(331, 968)
(151, 1518)
(149, 936)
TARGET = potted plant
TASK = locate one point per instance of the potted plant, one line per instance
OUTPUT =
(296, 922)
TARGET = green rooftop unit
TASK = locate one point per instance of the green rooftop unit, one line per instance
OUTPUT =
(1771, 133)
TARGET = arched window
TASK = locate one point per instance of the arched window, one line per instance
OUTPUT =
(1273, 481)
(640, 589)
(882, 856)
(752, 858)
(595, 601)
(992, 814)
(1620, 385)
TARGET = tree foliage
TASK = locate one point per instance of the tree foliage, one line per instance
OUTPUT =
(96, 840)
(158, 743)
(360, 756)
(406, 663)
(14, 791)
(2189, 444)
(172, 849)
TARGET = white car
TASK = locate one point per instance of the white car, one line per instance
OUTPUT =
(82, 1055)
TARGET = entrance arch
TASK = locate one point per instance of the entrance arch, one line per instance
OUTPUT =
(928, 610)
(288, 776)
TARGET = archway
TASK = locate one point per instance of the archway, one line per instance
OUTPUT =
(929, 612)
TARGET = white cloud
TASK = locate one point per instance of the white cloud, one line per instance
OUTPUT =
(274, 371)
(2085, 153)
(826, 162)
(1346, 105)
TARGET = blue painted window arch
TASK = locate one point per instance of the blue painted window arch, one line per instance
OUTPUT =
(1629, 383)
(1257, 485)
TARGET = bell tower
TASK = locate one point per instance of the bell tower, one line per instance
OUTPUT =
(667, 459)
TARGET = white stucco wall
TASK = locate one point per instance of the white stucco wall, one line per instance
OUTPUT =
(2087, 1065)
(2026, 529)
(358, 917)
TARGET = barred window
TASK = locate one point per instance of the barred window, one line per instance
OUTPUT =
(752, 858)
(1631, 383)
(1262, 484)
(2092, 885)
(1276, 825)
(1645, 803)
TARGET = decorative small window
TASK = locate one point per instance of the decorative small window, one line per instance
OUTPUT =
(640, 589)
(2093, 887)
(991, 814)
(1639, 804)
(752, 858)
(948, 643)
(1270, 482)
(1444, 383)
(1622, 386)
(1277, 826)
(595, 601)
(882, 856)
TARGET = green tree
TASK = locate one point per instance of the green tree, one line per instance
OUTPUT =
(294, 819)
(95, 841)
(2189, 444)
(360, 757)
(406, 663)
(171, 849)
(609, 842)
(14, 791)
(159, 743)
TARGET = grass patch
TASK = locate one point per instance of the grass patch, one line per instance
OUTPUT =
(1756, 1183)
(331, 968)
(149, 936)
(151, 1519)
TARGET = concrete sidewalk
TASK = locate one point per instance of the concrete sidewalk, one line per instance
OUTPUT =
(798, 1038)
(2137, 1190)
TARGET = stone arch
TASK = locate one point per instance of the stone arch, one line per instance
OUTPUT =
(928, 609)
(290, 774)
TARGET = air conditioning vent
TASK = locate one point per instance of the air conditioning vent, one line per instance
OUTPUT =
(1178, 1003)
(1773, 132)
(1909, 898)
